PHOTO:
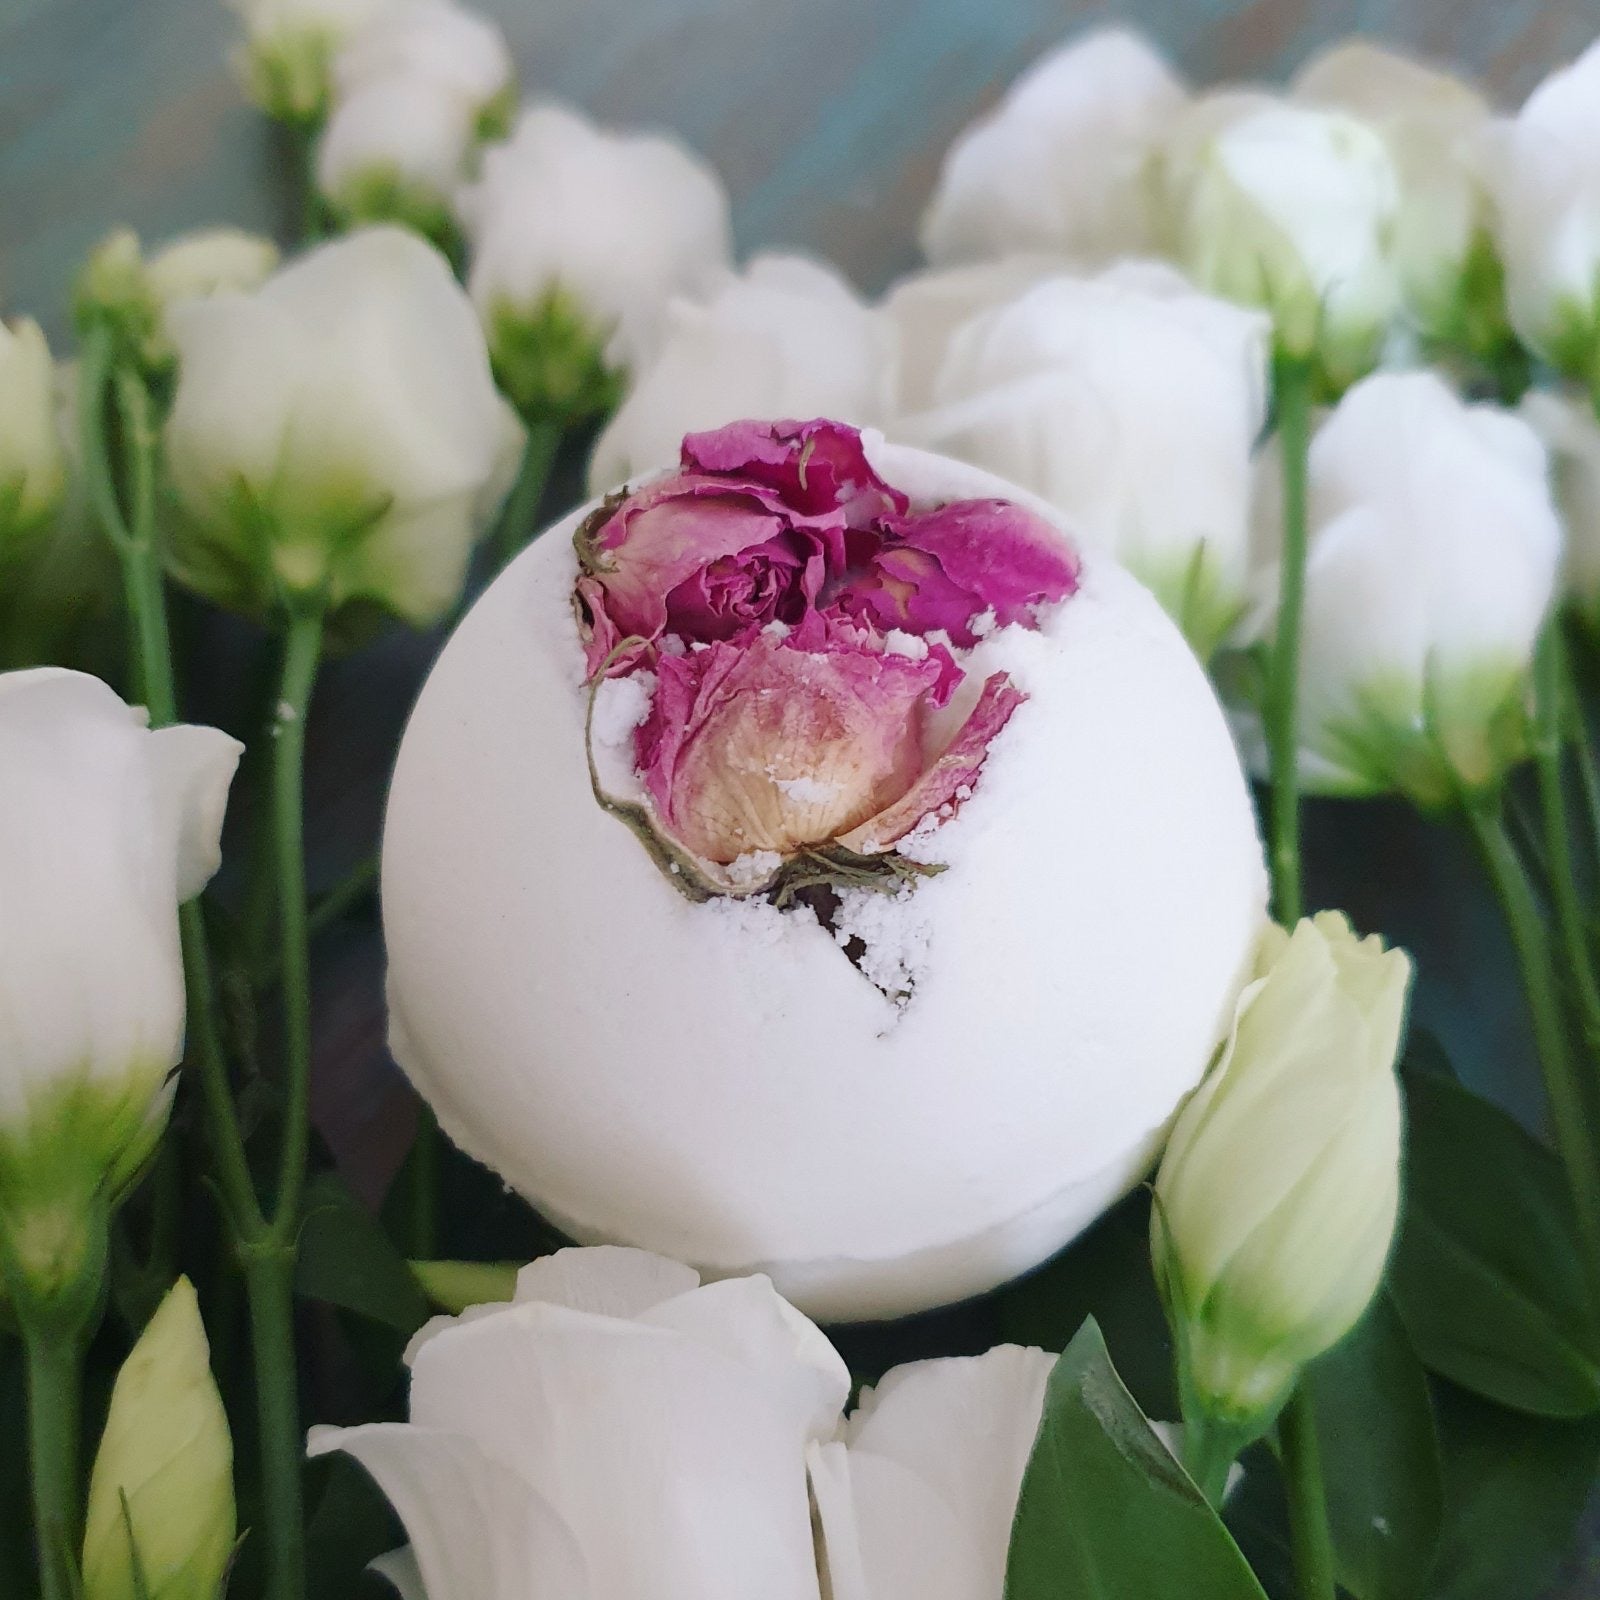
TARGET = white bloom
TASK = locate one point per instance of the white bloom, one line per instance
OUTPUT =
(395, 147)
(456, 49)
(160, 1516)
(1292, 209)
(105, 828)
(1434, 125)
(207, 262)
(919, 1496)
(289, 49)
(616, 1430)
(926, 308)
(582, 235)
(32, 462)
(1433, 557)
(1567, 425)
(1278, 1191)
(786, 338)
(1546, 174)
(337, 430)
(1131, 402)
(1061, 164)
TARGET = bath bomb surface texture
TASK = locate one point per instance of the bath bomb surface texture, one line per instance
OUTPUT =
(721, 1082)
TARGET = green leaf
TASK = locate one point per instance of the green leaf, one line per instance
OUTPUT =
(347, 1260)
(1105, 1275)
(1485, 1273)
(1105, 1512)
(1380, 1459)
(351, 1526)
(455, 1285)
(1515, 1488)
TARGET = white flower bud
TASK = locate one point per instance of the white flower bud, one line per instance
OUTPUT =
(1277, 1196)
(160, 1520)
(32, 462)
(1292, 209)
(1545, 169)
(209, 261)
(454, 48)
(107, 828)
(287, 57)
(393, 149)
(337, 431)
(1434, 125)
(1131, 402)
(1060, 165)
(1567, 425)
(579, 238)
(786, 338)
(1433, 557)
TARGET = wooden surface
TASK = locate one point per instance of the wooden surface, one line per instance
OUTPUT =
(827, 119)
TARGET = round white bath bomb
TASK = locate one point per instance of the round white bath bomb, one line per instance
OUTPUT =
(718, 1082)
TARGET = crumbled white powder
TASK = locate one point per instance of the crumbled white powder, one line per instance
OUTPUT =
(896, 931)
(983, 624)
(754, 866)
(751, 918)
(698, 645)
(805, 789)
(620, 705)
(775, 630)
(897, 643)
(672, 645)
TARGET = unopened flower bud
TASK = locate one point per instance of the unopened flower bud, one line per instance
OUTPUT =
(160, 1523)
(1277, 1196)
(32, 461)
(1288, 208)
(289, 50)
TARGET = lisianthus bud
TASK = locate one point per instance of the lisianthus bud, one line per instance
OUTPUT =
(131, 293)
(107, 828)
(786, 338)
(1545, 171)
(1276, 1198)
(290, 45)
(366, 450)
(456, 49)
(1061, 164)
(160, 1522)
(1435, 126)
(579, 238)
(1434, 549)
(32, 462)
(1292, 209)
(1132, 403)
(1566, 423)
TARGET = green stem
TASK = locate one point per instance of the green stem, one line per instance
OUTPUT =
(1309, 1537)
(55, 1398)
(1550, 683)
(517, 516)
(1563, 1087)
(302, 650)
(269, 1285)
(347, 893)
(1293, 395)
(1209, 1451)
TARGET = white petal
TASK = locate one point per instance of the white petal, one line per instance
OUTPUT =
(399, 1568)
(193, 768)
(606, 1279)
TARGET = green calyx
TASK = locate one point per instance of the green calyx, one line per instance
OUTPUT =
(549, 358)
(1195, 594)
(385, 194)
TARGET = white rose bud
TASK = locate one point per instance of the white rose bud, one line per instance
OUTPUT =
(614, 1379)
(1061, 164)
(1433, 558)
(1132, 402)
(1292, 209)
(579, 237)
(1435, 125)
(1545, 170)
(287, 58)
(120, 287)
(337, 432)
(454, 48)
(160, 1520)
(1276, 1199)
(786, 338)
(108, 827)
(1567, 425)
(33, 468)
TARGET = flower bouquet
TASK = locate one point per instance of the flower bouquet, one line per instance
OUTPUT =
(882, 1109)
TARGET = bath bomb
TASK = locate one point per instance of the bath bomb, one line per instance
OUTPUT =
(902, 1106)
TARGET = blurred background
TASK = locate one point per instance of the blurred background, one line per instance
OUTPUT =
(827, 120)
